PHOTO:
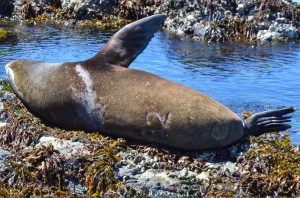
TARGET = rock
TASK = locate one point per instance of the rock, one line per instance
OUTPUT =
(3, 156)
(208, 20)
(1, 107)
(203, 176)
(65, 147)
(3, 114)
(32, 9)
(7, 36)
(2, 124)
(159, 182)
(213, 166)
(246, 7)
(278, 31)
(180, 32)
(200, 29)
(214, 20)
(88, 9)
(230, 166)
(7, 97)
(183, 173)
(287, 30)
(282, 20)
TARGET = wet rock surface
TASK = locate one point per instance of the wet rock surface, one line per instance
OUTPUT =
(88, 9)
(4, 155)
(278, 31)
(7, 35)
(234, 20)
(210, 20)
(37, 159)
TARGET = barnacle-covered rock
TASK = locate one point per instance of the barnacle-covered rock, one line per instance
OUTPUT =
(88, 9)
(209, 20)
(278, 31)
(40, 9)
(137, 9)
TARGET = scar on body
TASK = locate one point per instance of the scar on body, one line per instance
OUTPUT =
(153, 117)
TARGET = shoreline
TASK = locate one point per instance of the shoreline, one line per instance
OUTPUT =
(211, 21)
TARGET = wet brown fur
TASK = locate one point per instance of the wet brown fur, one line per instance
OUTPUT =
(130, 103)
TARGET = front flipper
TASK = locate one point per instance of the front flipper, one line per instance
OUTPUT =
(268, 121)
(130, 41)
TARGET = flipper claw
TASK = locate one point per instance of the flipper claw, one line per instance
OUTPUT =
(268, 121)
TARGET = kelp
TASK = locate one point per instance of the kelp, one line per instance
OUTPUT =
(5, 87)
(33, 172)
(36, 170)
(22, 129)
(271, 167)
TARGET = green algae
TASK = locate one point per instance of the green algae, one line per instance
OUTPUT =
(6, 87)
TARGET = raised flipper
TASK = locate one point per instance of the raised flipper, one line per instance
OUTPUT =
(268, 121)
(129, 42)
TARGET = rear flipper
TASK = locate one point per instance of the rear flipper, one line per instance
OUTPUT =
(268, 121)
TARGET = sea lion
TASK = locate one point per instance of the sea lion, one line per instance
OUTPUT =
(102, 94)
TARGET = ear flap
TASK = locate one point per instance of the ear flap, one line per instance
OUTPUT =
(130, 41)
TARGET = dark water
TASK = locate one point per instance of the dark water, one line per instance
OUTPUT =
(242, 77)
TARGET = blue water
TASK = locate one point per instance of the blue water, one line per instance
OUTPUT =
(242, 77)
